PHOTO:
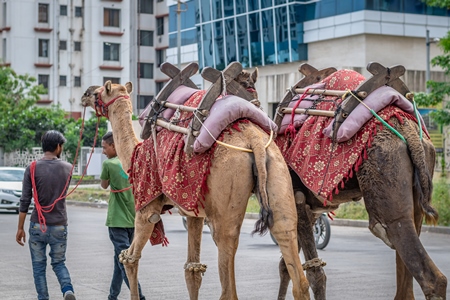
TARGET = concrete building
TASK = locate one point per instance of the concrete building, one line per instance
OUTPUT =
(69, 45)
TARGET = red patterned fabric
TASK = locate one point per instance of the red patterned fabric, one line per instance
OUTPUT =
(170, 171)
(322, 165)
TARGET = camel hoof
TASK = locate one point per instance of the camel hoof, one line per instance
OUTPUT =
(154, 218)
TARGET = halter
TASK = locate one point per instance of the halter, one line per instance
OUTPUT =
(101, 108)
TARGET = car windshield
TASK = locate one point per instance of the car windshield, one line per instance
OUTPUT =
(11, 175)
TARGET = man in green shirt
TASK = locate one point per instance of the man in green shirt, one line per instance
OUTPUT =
(121, 213)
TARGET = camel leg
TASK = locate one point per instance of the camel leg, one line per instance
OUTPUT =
(193, 272)
(144, 223)
(284, 230)
(390, 203)
(315, 274)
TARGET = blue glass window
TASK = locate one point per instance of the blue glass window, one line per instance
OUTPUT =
(188, 37)
(207, 50)
(216, 9)
(414, 7)
(204, 8)
(253, 5)
(242, 41)
(199, 48)
(296, 29)
(241, 6)
(228, 8)
(219, 49)
(187, 16)
(282, 34)
(344, 7)
(266, 3)
(268, 36)
(230, 40)
(278, 2)
(255, 39)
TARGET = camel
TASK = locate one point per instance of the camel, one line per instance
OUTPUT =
(234, 176)
(395, 181)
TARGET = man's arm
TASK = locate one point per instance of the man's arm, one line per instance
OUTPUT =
(20, 235)
(104, 184)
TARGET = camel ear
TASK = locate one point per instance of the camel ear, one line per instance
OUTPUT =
(108, 87)
(255, 75)
(129, 87)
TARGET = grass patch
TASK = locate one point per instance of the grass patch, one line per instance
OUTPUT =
(352, 210)
(253, 205)
(441, 200)
(88, 195)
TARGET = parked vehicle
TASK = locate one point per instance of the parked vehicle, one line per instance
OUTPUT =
(11, 188)
(322, 231)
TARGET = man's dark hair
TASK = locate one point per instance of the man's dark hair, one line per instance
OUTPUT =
(108, 138)
(51, 139)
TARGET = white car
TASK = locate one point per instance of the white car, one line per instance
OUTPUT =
(11, 188)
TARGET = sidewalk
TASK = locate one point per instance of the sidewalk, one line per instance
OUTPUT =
(336, 222)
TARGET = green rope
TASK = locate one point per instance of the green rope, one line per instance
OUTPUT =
(388, 126)
(418, 119)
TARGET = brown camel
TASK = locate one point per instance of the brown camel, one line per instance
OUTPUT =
(395, 181)
(234, 175)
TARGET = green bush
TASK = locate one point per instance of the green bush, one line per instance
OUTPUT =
(441, 200)
(352, 210)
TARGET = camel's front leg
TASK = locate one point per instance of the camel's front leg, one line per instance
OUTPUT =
(193, 269)
(144, 222)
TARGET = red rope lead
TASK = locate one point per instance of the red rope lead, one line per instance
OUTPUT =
(122, 190)
(290, 129)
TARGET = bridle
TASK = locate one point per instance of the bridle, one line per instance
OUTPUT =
(101, 108)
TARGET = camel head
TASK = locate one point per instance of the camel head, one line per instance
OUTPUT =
(101, 97)
(248, 80)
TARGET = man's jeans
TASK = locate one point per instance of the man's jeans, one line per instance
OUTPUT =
(121, 239)
(56, 238)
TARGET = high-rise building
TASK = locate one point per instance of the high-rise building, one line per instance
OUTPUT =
(69, 45)
(278, 35)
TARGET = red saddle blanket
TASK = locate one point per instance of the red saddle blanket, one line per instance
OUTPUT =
(322, 165)
(164, 168)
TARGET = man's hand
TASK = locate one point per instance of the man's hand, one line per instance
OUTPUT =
(21, 238)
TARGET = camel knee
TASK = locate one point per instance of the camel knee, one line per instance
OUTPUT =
(195, 267)
(154, 218)
(379, 230)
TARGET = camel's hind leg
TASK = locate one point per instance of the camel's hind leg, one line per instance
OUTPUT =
(389, 199)
(144, 223)
(194, 270)
(284, 230)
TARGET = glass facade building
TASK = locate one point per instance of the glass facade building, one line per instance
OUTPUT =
(265, 32)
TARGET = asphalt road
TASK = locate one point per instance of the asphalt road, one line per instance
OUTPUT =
(359, 266)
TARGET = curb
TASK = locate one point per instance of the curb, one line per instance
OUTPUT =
(336, 222)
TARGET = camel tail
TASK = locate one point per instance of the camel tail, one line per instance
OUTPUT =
(265, 221)
(422, 154)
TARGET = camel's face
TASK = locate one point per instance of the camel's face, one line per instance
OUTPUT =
(88, 98)
(248, 80)
(100, 97)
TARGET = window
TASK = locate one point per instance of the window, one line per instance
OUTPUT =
(43, 48)
(111, 51)
(77, 46)
(77, 81)
(146, 6)
(5, 15)
(112, 79)
(159, 86)
(63, 10)
(62, 80)
(144, 101)
(111, 17)
(43, 79)
(146, 38)
(160, 57)
(146, 70)
(78, 11)
(159, 26)
(43, 13)
(62, 45)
